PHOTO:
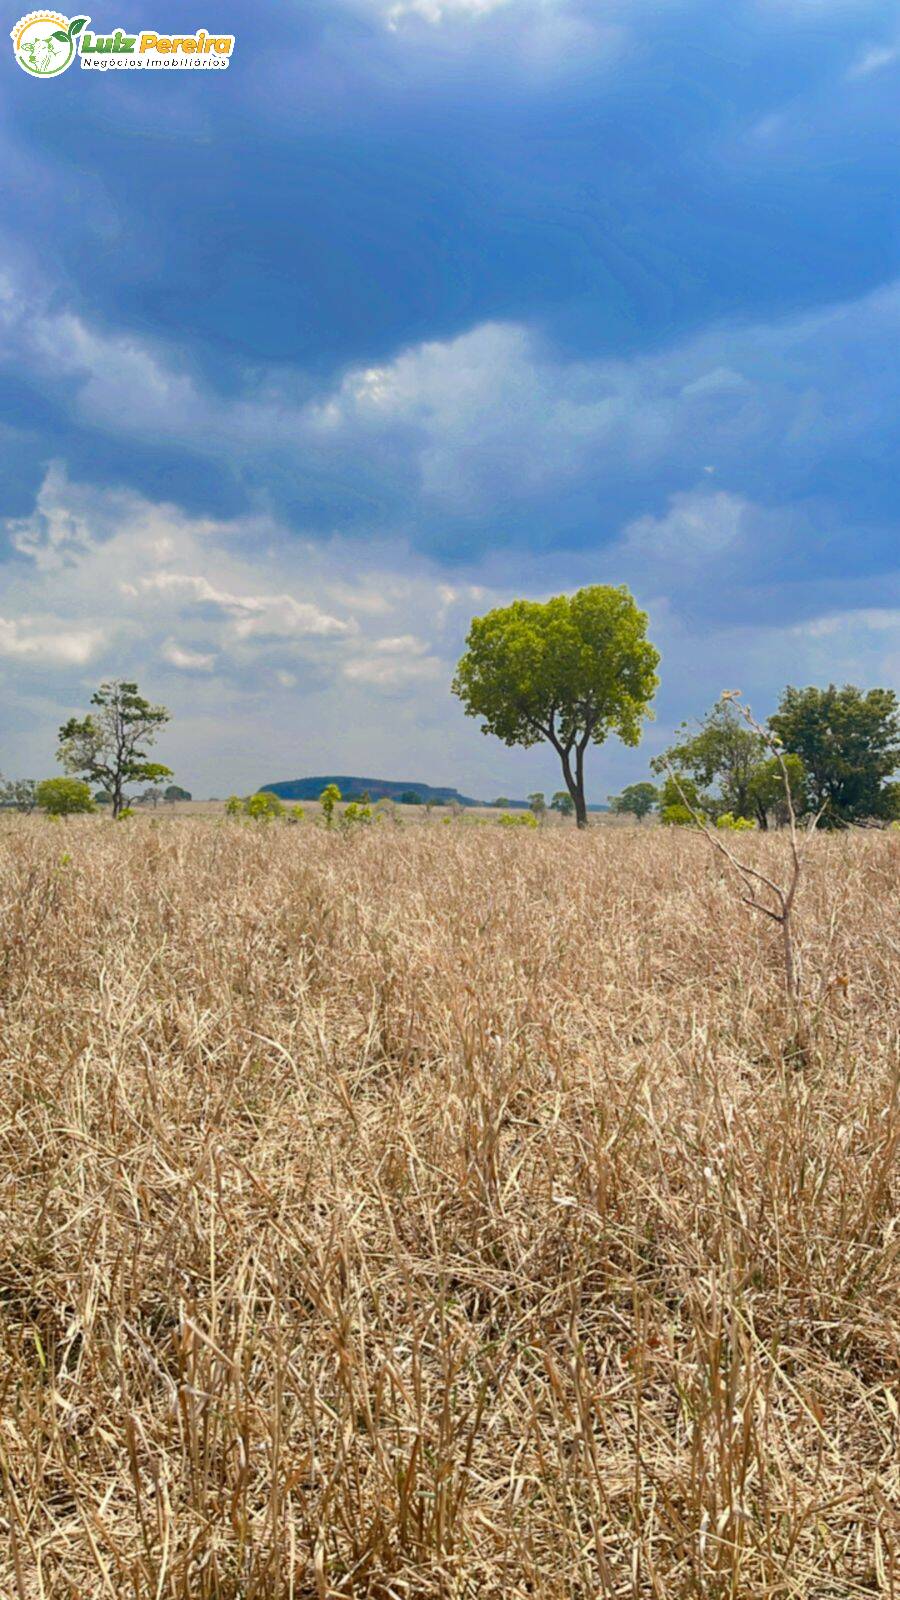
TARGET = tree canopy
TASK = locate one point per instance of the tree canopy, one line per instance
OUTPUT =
(637, 800)
(849, 743)
(570, 670)
(732, 770)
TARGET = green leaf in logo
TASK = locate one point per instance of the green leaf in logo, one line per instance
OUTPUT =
(76, 26)
(60, 35)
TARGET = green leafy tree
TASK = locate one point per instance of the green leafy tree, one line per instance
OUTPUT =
(409, 797)
(109, 745)
(637, 800)
(234, 806)
(563, 803)
(680, 790)
(19, 794)
(570, 670)
(849, 743)
(722, 758)
(328, 799)
(173, 794)
(501, 803)
(64, 797)
(768, 793)
(537, 804)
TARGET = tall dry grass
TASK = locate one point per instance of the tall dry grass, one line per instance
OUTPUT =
(441, 1213)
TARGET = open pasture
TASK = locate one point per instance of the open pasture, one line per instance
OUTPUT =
(443, 1212)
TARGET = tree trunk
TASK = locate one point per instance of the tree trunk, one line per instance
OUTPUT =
(575, 784)
(580, 803)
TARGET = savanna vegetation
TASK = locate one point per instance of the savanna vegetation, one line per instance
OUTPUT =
(440, 1211)
(498, 1208)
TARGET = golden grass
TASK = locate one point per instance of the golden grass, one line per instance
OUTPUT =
(442, 1213)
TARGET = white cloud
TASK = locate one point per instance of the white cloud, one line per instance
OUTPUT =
(394, 672)
(873, 59)
(48, 642)
(877, 619)
(438, 11)
(489, 417)
(187, 660)
(402, 644)
(698, 525)
(213, 619)
(271, 615)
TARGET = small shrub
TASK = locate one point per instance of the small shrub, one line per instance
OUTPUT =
(263, 807)
(328, 799)
(125, 813)
(234, 806)
(677, 816)
(521, 819)
(355, 815)
(734, 824)
(64, 797)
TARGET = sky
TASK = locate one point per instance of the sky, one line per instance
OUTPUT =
(425, 305)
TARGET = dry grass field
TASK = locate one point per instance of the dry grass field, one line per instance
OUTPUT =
(443, 1212)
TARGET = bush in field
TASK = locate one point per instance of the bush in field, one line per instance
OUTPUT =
(677, 815)
(563, 803)
(234, 805)
(328, 799)
(355, 816)
(519, 819)
(732, 824)
(263, 807)
(537, 804)
(64, 797)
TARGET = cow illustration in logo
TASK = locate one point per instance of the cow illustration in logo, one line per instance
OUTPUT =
(44, 42)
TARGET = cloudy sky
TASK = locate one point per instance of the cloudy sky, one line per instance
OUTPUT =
(426, 304)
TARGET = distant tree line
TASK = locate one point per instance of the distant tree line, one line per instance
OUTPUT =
(568, 671)
(839, 749)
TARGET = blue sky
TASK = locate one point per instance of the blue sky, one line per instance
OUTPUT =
(424, 305)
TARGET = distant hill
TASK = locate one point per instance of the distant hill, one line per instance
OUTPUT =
(352, 787)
